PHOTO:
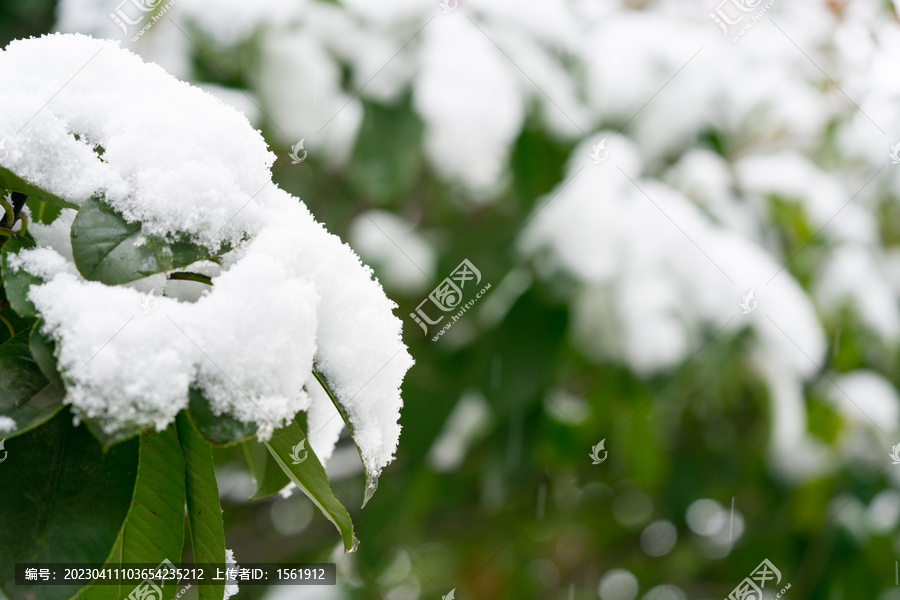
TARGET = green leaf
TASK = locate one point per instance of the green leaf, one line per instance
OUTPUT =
(18, 283)
(109, 249)
(221, 430)
(267, 473)
(290, 449)
(13, 183)
(42, 212)
(121, 433)
(64, 500)
(371, 479)
(43, 351)
(153, 530)
(25, 394)
(207, 529)
(10, 322)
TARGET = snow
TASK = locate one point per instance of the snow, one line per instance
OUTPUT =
(867, 398)
(290, 295)
(664, 283)
(468, 98)
(795, 178)
(852, 275)
(380, 71)
(324, 423)
(300, 84)
(619, 89)
(884, 512)
(655, 277)
(42, 262)
(149, 172)
(241, 19)
(56, 234)
(230, 588)
(804, 111)
(403, 258)
(7, 425)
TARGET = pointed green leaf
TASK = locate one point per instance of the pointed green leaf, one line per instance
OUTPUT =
(13, 183)
(153, 530)
(290, 449)
(43, 351)
(267, 473)
(371, 479)
(221, 430)
(64, 500)
(109, 249)
(26, 396)
(10, 322)
(207, 529)
(17, 283)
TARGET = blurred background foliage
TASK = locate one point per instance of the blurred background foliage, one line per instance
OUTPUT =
(523, 512)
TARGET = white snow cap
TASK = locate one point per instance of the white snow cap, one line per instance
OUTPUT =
(656, 268)
(182, 163)
(469, 100)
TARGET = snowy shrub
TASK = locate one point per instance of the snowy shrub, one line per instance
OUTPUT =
(164, 287)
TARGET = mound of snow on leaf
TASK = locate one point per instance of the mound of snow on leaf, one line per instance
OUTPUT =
(289, 297)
